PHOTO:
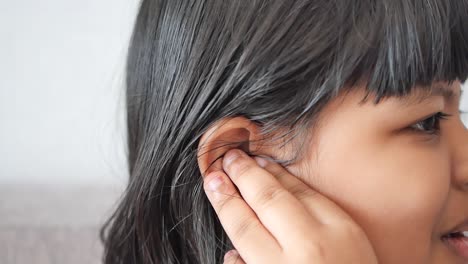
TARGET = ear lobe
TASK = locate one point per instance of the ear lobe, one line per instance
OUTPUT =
(226, 134)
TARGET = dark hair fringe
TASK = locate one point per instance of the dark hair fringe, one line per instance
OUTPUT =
(390, 46)
(421, 42)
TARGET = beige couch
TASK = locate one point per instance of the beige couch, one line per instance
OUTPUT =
(48, 224)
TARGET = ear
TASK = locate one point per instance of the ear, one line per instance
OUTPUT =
(226, 134)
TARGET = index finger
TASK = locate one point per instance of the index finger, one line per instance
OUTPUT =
(275, 206)
(323, 209)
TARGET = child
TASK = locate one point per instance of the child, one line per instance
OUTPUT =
(331, 130)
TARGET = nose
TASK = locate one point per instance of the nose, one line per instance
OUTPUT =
(460, 158)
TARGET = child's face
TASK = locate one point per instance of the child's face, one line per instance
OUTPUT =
(404, 187)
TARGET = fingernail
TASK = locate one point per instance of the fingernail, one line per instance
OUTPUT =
(231, 253)
(261, 161)
(215, 183)
(231, 156)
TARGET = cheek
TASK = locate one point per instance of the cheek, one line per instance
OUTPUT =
(394, 191)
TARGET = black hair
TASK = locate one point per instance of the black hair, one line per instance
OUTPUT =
(276, 62)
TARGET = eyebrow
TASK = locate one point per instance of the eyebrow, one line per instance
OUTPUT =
(437, 90)
(447, 93)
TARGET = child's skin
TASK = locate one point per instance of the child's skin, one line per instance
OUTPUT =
(374, 185)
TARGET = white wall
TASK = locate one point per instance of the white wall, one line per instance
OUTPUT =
(61, 90)
(61, 95)
(464, 104)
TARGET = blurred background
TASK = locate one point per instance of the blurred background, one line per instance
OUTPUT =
(62, 131)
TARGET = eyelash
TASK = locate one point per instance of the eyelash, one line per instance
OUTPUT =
(433, 121)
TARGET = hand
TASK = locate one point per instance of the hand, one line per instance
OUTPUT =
(279, 219)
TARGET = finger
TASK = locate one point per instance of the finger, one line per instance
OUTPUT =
(245, 230)
(276, 208)
(322, 208)
(233, 257)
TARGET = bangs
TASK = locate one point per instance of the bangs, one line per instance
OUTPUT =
(330, 46)
(398, 45)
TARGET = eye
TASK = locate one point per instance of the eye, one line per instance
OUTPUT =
(430, 125)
